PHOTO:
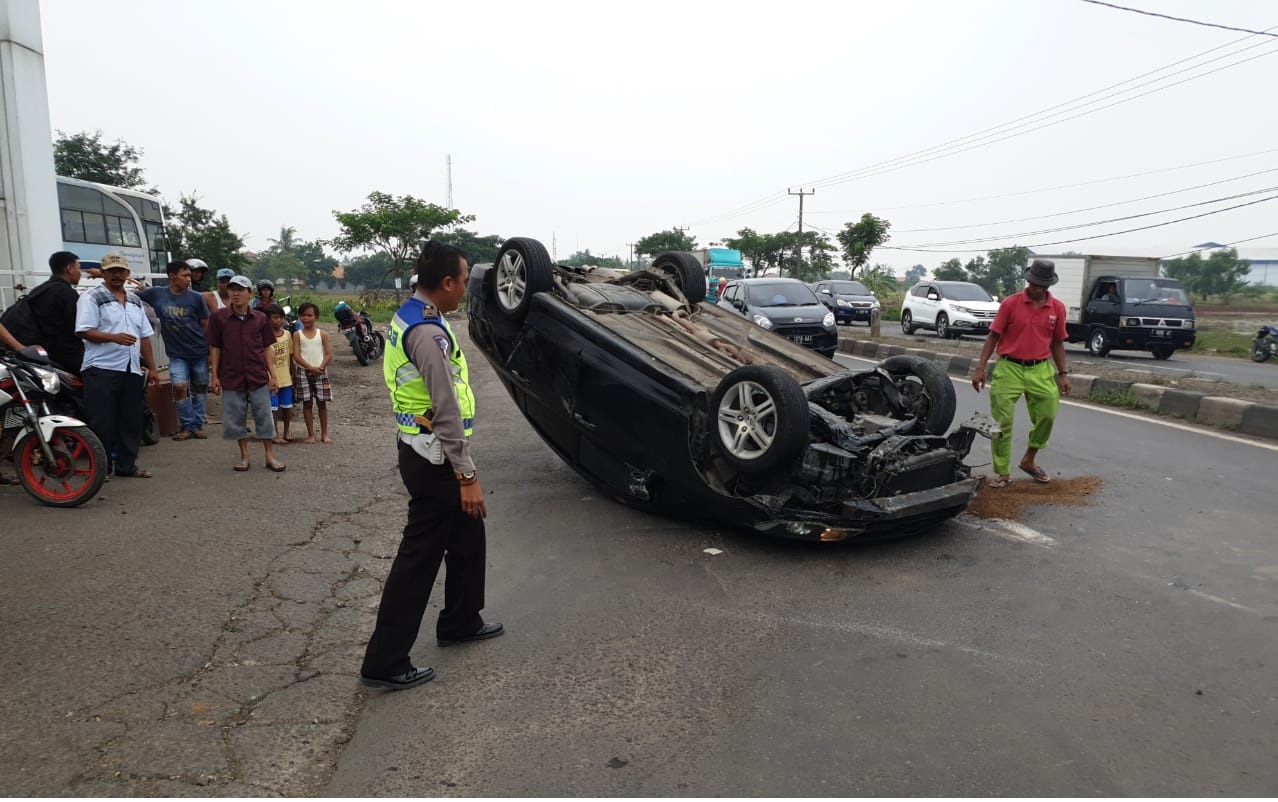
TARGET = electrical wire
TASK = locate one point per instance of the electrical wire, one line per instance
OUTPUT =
(1089, 208)
(1179, 19)
(1226, 245)
(1085, 239)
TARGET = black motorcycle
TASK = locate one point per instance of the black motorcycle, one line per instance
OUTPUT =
(366, 341)
(60, 461)
(70, 401)
(1266, 344)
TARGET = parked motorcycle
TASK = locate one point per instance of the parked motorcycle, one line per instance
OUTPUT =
(1265, 344)
(366, 341)
(70, 401)
(291, 323)
(60, 461)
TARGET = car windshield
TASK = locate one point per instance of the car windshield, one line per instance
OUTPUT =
(1154, 291)
(781, 294)
(848, 288)
(965, 292)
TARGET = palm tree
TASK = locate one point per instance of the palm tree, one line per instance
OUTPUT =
(287, 240)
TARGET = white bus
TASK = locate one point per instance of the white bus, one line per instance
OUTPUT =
(98, 219)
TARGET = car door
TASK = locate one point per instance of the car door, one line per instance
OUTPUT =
(731, 299)
(825, 293)
(929, 303)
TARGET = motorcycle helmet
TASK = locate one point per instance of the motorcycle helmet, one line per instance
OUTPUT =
(267, 283)
(197, 264)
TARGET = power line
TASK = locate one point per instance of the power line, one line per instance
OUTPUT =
(1041, 190)
(1179, 19)
(1097, 222)
(1085, 239)
(1089, 208)
(1226, 245)
(913, 159)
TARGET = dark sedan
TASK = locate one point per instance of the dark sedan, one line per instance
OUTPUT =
(683, 408)
(786, 306)
(848, 300)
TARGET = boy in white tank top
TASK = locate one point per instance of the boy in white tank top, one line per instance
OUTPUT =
(311, 355)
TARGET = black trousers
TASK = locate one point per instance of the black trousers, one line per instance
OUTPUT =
(113, 399)
(437, 530)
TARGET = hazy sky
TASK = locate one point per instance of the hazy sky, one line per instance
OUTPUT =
(594, 124)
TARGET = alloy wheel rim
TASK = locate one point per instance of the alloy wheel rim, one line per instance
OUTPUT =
(512, 280)
(747, 420)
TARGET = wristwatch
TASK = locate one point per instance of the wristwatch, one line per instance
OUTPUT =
(465, 477)
(1062, 373)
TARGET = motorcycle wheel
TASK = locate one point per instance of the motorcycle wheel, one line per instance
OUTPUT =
(357, 345)
(1259, 351)
(79, 469)
(150, 426)
(381, 344)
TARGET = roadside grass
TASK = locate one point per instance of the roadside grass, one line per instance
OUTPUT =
(381, 308)
(1113, 398)
(1222, 341)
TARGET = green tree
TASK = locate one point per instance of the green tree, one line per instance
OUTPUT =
(861, 238)
(1005, 270)
(915, 274)
(276, 264)
(86, 157)
(950, 270)
(287, 240)
(1222, 273)
(583, 258)
(319, 264)
(479, 250)
(198, 232)
(663, 241)
(880, 279)
(368, 270)
(977, 272)
(396, 226)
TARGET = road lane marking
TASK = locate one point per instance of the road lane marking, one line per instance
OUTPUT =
(1120, 413)
(1219, 600)
(1009, 530)
(879, 631)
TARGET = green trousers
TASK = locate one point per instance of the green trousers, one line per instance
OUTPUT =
(1008, 382)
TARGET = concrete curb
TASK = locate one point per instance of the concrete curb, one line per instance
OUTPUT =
(1245, 417)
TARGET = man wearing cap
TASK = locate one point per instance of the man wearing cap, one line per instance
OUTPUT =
(184, 317)
(1029, 334)
(114, 326)
(240, 346)
(220, 298)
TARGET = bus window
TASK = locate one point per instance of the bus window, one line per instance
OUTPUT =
(95, 229)
(72, 226)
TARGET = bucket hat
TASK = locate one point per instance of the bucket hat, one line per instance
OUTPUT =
(1042, 273)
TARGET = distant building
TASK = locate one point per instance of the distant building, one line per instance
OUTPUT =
(1262, 262)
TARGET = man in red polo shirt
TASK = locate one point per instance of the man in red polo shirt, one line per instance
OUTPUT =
(1029, 334)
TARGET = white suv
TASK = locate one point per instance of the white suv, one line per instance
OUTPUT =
(952, 308)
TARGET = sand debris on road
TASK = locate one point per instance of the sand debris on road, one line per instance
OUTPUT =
(1009, 503)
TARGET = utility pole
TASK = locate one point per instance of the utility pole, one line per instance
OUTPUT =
(449, 163)
(631, 263)
(798, 245)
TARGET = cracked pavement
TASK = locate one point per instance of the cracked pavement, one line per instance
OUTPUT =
(200, 634)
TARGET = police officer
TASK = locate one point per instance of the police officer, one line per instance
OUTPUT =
(429, 385)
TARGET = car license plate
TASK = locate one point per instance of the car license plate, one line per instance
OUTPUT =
(1162, 333)
(801, 339)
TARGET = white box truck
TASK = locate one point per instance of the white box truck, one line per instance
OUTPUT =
(1122, 303)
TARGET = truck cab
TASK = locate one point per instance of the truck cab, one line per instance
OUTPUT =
(1135, 313)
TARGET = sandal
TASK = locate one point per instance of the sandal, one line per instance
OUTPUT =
(199, 434)
(276, 466)
(183, 435)
(242, 465)
(999, 482)
(6, 479)
(137, 473)
(1037, 474)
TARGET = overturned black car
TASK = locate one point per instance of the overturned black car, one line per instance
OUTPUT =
(674, 405)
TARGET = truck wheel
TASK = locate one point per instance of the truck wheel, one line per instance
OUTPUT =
(1098, 343)
(687, 271)
(523, 269)
(1162, 351)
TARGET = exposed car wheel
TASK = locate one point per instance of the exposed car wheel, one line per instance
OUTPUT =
(926, 391)
(688, 273)
(1098, 343)
(943, 327)
(907, 322)
(761, 419)
(1163, 351)
(523, 269)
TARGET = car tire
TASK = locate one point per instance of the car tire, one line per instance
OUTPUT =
(1162, 351)
(688, 273)
(523, 269)
(760, 419)
(925, 389)
(1098, 343)
(907, 322)
(943, 327)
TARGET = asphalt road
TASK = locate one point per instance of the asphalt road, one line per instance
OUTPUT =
(199, 634)
(1183, 364)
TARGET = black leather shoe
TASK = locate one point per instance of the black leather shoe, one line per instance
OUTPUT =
(483, 633)
(409, 679)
